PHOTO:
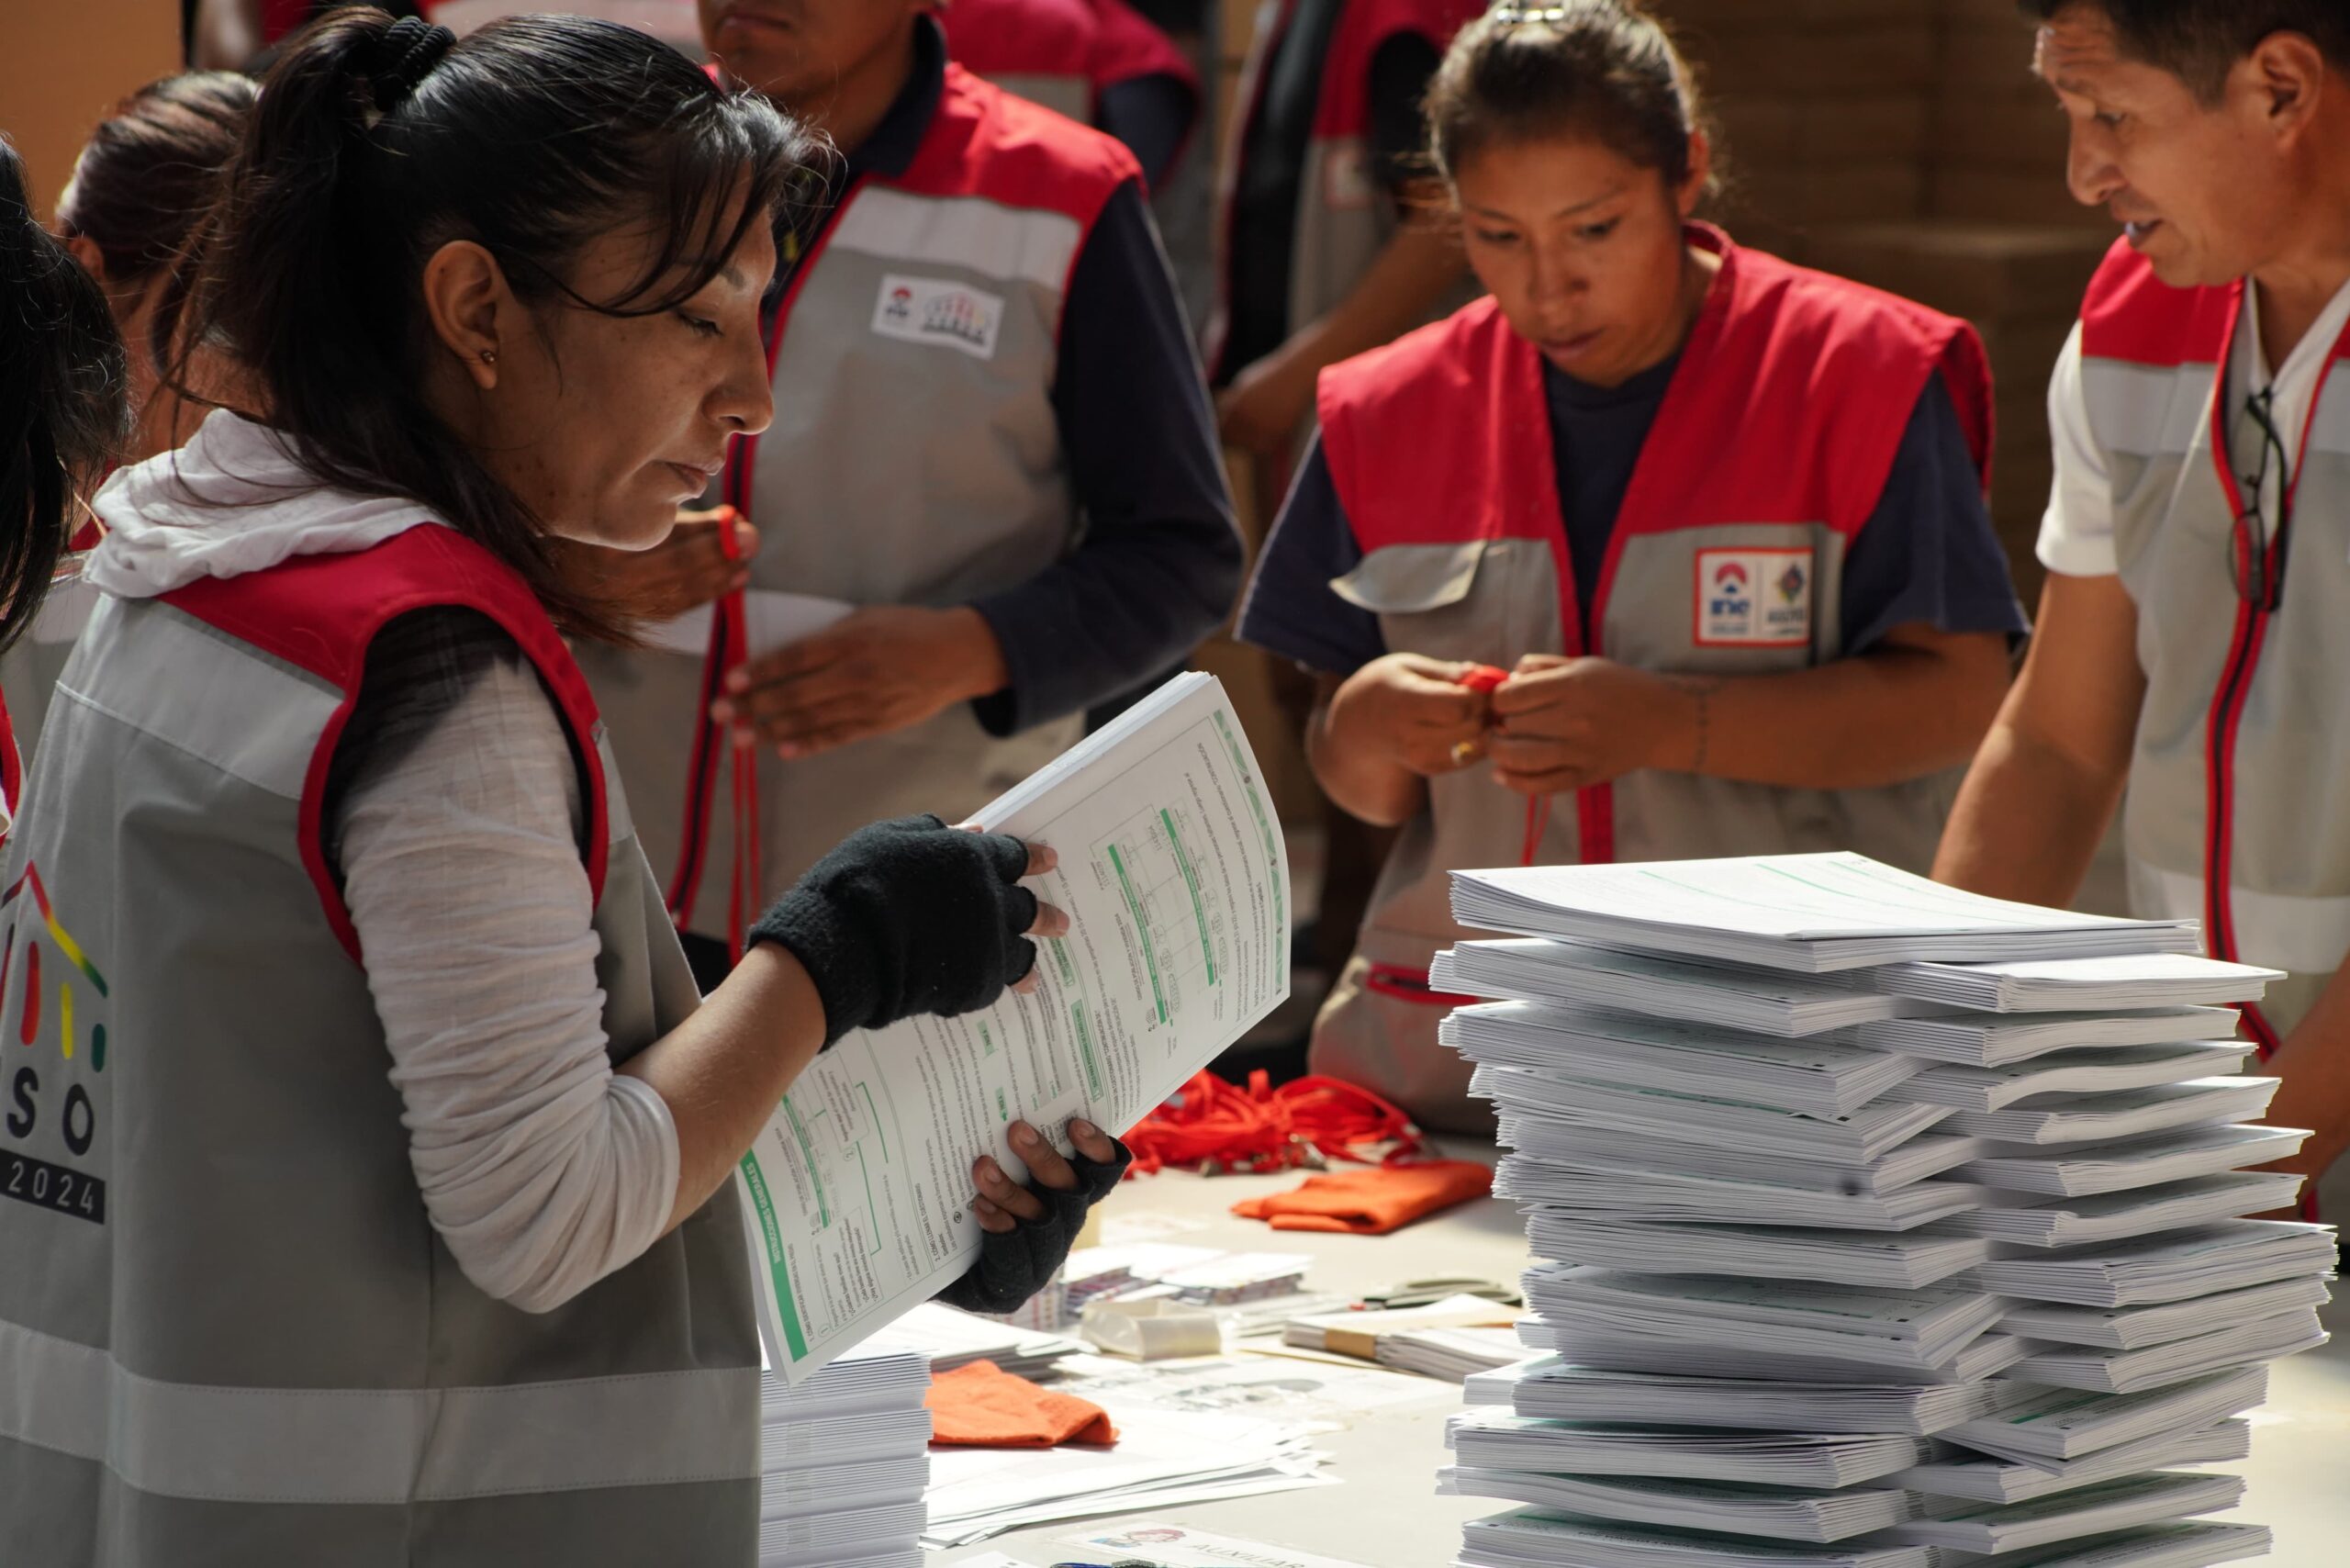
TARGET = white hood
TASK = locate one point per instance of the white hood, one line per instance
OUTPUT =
(229, 503)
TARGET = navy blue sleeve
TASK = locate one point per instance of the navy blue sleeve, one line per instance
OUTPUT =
(1161, 559)
(1291, 611)
(1153, 116)
(1928, 552)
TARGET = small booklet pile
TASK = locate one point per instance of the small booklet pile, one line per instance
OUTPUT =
(1874, 1222)
(845, 1459)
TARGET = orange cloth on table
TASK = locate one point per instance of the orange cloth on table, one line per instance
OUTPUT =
(1372, 1202)
(981, 1405)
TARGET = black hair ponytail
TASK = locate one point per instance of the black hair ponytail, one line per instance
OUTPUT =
(62, 414)
(1605, 69)
(378, 141)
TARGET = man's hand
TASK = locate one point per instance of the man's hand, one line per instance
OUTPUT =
(687, 569)
(882, 670)
(1002, 1206)
(1411, 711)
(1562, 725)
(1263, 409)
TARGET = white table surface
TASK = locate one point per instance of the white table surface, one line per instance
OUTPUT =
(1387, 1515)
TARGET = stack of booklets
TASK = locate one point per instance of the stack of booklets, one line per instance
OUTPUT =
(844, 1460)
(1874, 1223)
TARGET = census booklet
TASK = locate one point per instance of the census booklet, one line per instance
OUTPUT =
(1176, 882)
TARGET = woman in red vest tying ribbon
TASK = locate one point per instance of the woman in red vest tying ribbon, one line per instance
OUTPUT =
(1718, 518)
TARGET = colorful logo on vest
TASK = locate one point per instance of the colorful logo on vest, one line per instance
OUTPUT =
(1753, 599)
(46, 1095)
(939, 312)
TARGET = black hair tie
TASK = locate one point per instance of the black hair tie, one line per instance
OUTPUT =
(406, 54)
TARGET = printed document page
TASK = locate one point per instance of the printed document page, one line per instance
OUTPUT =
(1176, 882)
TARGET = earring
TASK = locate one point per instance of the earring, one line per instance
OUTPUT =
(489, 356)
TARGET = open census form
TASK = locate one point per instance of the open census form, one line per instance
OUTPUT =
(1176, 881)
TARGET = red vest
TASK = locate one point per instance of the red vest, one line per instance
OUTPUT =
(321, 613)
(1100, 43)
(1767, 458)
(2233, 812)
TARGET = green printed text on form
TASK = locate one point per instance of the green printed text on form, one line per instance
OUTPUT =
(1085, 1048)
(1142, 930)
(808, 1155)
(770, 1232)
(1191, 882)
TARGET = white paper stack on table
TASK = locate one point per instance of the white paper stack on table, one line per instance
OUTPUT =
(845, 1458)
(947, 1338)
(1874, 1222)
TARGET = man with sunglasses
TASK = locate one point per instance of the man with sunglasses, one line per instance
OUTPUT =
(2194, 639)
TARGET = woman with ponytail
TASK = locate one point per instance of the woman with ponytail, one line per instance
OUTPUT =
(62, 413)
(144, 181)
(373, 1141)
(1668, 549)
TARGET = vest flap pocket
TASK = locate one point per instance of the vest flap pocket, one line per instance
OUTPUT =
(1402, 580)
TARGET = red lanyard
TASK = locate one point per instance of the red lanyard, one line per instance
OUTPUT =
(1487, 679)
(732, 631)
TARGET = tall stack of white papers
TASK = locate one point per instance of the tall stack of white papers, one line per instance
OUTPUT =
(1874, 1222)
(845, 1460)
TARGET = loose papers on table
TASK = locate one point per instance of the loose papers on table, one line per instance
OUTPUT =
(1174, 875)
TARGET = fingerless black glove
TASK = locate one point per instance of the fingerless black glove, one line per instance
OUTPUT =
(1016, 1265)
(907, 917)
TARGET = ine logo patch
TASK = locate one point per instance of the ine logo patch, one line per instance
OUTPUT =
(935, 311)
(1753, 599)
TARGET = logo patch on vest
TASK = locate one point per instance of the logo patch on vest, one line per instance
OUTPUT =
(947, 315)
(1753, 599)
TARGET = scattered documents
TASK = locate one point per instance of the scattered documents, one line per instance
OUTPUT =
(1162, 1457)
(949, 1338)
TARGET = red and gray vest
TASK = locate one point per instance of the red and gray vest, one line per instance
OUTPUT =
(1063, 54)
(228, 1333)
(2235, 804)
(914, 458)
(1728, 557)
(1344, 216)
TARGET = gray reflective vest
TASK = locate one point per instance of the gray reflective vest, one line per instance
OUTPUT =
(228, 1333)
(914, 458)
(1344, 216)
(2236, 787)
(1728, 557)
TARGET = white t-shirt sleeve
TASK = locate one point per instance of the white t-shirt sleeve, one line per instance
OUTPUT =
(2076, 531)
(542, 1169)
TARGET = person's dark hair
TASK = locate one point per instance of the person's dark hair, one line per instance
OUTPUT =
(62, 391)
(149, 171)
(2199, 42)
(377, 142)
(1596, 68)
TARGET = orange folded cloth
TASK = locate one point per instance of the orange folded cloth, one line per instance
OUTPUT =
(981, 1405)
(1371, 1201)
